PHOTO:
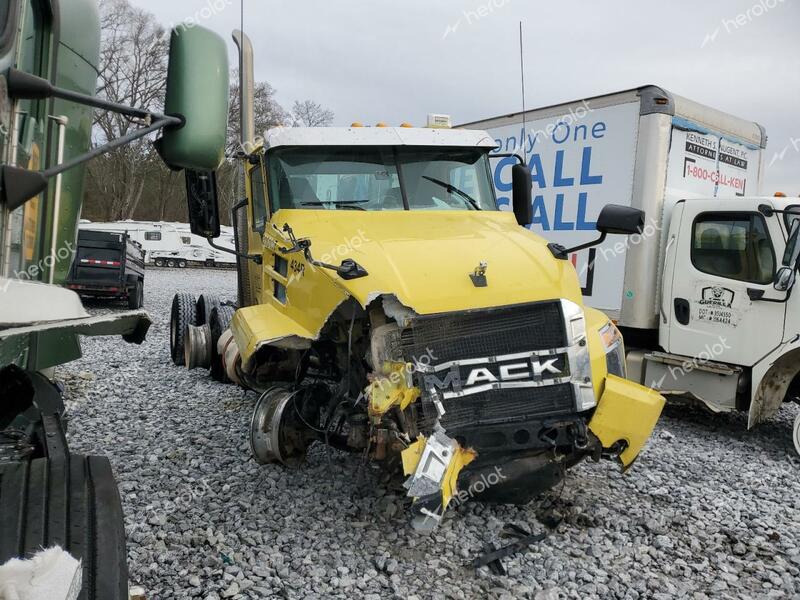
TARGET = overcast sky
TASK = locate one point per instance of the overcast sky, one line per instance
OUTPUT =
(394, 61)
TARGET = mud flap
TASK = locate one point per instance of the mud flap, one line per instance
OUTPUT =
(628, 413)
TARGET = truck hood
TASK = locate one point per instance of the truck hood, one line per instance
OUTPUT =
(425, 258)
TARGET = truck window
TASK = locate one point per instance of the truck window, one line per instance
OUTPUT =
(152, 236)
(259, 198)
(734, 246)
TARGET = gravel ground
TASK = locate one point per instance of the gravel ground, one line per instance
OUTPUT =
(709, 509)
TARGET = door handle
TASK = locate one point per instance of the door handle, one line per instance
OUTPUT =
(682, 311)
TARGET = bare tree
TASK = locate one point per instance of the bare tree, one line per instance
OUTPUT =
(133, 70)
(311, 114)
(267, 112)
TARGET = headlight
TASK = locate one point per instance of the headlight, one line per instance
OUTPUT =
(615, 349)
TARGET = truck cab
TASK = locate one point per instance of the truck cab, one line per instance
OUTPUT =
(729, 275)
(388, 307)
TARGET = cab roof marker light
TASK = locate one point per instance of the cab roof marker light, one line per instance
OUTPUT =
(439, 121)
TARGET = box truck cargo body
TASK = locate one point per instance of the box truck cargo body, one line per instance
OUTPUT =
(644, 148)
(704, 294)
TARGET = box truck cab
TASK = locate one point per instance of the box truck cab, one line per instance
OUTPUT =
(701, 295)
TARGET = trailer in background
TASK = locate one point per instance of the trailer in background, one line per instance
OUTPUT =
(108, 265)
(168, 244)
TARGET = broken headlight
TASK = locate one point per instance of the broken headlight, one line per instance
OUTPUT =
(615, 349)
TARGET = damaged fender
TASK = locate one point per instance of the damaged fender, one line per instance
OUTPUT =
(627, 412)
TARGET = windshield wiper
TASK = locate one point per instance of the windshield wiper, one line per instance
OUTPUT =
(343, 202)
(454, 190)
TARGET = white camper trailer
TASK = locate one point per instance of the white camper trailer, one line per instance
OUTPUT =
(171, 244)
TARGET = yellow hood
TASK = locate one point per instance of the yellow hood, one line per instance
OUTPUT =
(425, 257)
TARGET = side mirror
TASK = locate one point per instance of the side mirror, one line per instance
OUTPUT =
(791, 257)
(521, 184)
(197, 92)
(201, 195)
(616, 219)
(784, 279)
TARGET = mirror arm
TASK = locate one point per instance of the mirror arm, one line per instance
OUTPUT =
(757, 296)
(27, 86)
(256, 258)
(32, 183)
(508, 155)
(596, 242)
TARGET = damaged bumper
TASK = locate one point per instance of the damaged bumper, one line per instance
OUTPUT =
(625, 417)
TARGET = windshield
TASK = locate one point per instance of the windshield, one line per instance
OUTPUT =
(380, 178)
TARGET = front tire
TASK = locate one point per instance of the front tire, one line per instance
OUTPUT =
(183, 314)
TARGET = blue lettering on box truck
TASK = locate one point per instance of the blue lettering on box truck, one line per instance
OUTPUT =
(579, 162)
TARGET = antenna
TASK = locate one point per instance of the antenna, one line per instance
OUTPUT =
(522, 76)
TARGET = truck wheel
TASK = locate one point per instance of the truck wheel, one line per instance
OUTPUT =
(159, 262)
(219, 321)
(170, 263)
(797, 434)
(205, 304)
(182, 315)
(71, 501)
(181, 264)
(136, 295)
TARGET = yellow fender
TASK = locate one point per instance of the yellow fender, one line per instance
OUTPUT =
(629, 412)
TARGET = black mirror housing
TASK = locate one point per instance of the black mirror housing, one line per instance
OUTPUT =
(521, 184)
(201, 196)
(622, 220)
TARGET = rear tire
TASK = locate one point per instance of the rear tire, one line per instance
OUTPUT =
(797, 434)
(136, 295)
(183, 314)
(206, 303)
(71, 501)
(170, 263)
(159, 262)
(219, 321)
(181, 264)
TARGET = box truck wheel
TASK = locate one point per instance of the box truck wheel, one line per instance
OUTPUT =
(182, 315)
(797, 434)
(159, 262)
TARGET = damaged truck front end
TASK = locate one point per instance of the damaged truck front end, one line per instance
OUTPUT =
(402, 316)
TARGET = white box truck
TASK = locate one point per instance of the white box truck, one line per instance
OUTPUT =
(704, 295)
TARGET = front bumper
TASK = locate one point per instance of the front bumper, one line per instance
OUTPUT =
(625, 417)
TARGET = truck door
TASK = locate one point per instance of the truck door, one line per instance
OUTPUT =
(718, 263)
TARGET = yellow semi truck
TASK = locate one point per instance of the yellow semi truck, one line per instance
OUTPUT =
(387, 307)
